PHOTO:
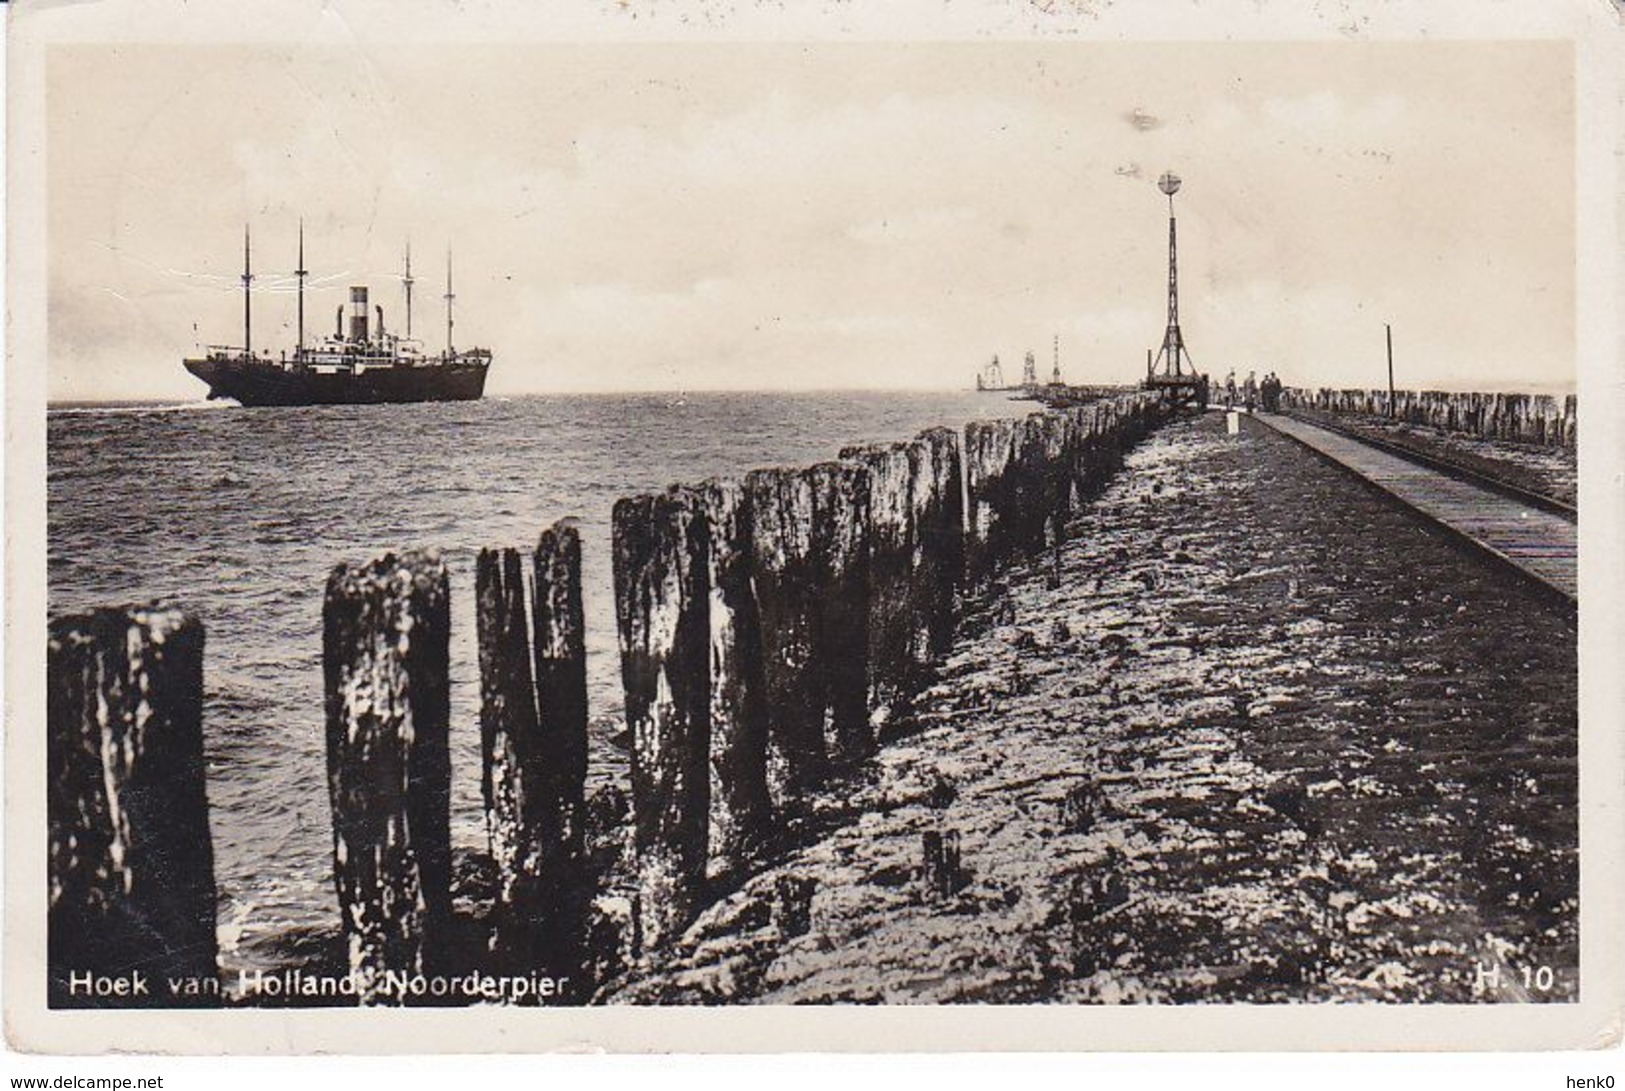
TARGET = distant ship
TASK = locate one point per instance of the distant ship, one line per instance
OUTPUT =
(363, 365)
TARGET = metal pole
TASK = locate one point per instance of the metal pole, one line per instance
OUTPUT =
(408, 281)
(449, 297)
(248, 278)
(301, 274)
(1172, 340)
(1389, 330)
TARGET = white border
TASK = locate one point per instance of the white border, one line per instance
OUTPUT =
(1591, 25)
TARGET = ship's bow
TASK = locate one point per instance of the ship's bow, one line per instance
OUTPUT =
(208, 371)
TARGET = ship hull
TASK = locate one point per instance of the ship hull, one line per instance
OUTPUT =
(258, 384)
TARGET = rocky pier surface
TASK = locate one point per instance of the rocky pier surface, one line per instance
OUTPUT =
(1266, 738)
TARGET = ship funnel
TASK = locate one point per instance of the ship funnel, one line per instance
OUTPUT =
(358, 313)
(379, 307)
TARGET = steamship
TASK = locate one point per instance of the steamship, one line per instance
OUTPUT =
(360, 363)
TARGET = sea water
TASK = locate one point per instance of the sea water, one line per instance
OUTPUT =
(240, 514)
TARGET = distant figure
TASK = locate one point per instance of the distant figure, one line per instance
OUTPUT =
(1272, 396)
(1251, 390)
(1230, 389)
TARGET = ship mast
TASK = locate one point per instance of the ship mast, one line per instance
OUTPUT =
(449, 297)
(248, 278)
(301, 273)
(407, 280)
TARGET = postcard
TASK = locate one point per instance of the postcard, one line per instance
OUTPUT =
(656, 526)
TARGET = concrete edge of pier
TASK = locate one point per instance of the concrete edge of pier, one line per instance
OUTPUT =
(1561, 588)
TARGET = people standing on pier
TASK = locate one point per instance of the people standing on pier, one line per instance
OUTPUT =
(1230, 389)
(1251, 390)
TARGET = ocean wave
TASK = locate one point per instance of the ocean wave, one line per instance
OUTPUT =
(115, 409)
(241, 517)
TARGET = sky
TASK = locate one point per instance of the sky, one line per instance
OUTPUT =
(642, 216)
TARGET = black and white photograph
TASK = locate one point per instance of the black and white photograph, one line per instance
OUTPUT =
(672, 509)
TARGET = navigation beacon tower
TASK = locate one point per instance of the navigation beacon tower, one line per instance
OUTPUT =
(1172, 371)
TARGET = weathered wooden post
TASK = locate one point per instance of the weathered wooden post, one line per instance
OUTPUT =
(1120, 434)
(132, 897)
(841, 555)
(792, 904)
(385, 657)
(941, 872)
(534, 742)
(661, 606)
(741, 810)
(1087, 475)
(895, 624)
(1016, 508)
(1072, 475)
(978, 511)
(559, 651)
(1031, 505)
(1540, 412)
(787, 590)
(508, 731)
(941, 530)
(1111, 449)
(991, 449)
(1057, 476)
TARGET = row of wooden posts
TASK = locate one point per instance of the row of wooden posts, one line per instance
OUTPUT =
(766, 626)
(1540, 419)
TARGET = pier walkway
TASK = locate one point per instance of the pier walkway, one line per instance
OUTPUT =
(1268, 738)
(1541, 544)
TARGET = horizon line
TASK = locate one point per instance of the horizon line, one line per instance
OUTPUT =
(78, 403)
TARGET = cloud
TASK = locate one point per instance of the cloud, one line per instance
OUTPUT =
(869, 215)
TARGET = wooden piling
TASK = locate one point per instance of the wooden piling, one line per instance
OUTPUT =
(741, 821)
(508, 730)
(132, 893)
(661, 605)
(1031, 505)
(792, 905)
(1516, 418)
(787, 590)
(1092, 470)
(385, 659)
(1072, 458)
(978, 511)
(941, 872)
(991, 450)
(896, 626)
(941, 539)
(1056, 436)
(534, 740)
(559, 655)
(841, 502)
(1122, 438)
